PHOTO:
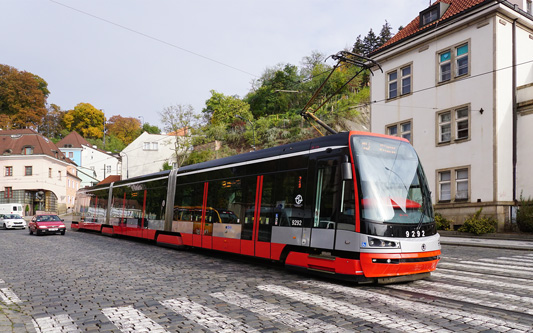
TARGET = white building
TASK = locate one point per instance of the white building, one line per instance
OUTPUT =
(147, 154)
(95, 164)
(458, 83)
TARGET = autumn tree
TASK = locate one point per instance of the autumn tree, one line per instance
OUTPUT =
(179, 121)
(86, 120)
(22, 98)
(125, 129)
(52, 125)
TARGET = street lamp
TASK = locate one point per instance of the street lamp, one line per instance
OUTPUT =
(142, 122)
(251, 123)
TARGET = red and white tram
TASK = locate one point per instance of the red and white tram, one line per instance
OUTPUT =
(352, 205)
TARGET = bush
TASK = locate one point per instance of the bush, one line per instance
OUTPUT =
(479, 225)
(441, 222)
(524, 215)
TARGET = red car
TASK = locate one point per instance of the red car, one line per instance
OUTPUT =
(46, 223)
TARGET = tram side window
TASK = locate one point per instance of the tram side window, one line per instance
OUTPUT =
(225, 201)
(117, 206)
(97, 209)
(282, 202)
(188, 202)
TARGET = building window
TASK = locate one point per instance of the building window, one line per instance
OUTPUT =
(453, 125)
(108, 167)
(399, 81)
(70, 154)
(8, 192)
(430, 16)
(401, 129)
(150, 146)
(454, 62)
(8, 171)
(49, 172)
(28, 170)
(453, 184)
(529, 7)
(59, 175)
(28, 150)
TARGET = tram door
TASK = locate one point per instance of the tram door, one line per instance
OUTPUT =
(328, 196)
(250, 222)
(202, 230)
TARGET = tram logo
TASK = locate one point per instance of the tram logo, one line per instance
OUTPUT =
(299, 199)
(424, 247)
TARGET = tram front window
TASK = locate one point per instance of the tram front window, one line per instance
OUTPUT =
(393, 188)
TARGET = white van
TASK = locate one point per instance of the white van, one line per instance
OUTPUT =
(14, 208)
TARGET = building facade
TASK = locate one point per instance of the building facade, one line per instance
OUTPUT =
(457, 82)
(35, 173)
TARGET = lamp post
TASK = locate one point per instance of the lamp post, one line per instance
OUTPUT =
(142, 121)
(251, 123)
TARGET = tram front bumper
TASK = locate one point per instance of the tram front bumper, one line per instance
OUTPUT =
(398, 264)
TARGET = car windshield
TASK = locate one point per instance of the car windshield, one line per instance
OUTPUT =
(48, 218)
(12, 216)
(393, 186)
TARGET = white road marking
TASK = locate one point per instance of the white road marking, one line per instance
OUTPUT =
(508, 261)
(8, 296)
(205, 316)
(481, 268)
(128, 319)
(508, 267)
(352, 310)
(526, 258)
(450, 274)
(55, 324)
(417, 308)
(460, 296)
(277, 313)
(2, 281)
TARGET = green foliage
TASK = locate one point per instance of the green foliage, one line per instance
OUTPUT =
(524, 215)
(166, 166)
(441, 222)
(222, 109)
(151, 129)
(478, 225)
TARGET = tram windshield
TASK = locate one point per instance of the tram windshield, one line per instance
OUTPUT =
(393, 188)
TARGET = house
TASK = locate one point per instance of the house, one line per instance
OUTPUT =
(95, 164)
(457, 82)
(35, 172)
(148, 153)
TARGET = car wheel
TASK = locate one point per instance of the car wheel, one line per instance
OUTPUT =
(31, 231)
(5, 226)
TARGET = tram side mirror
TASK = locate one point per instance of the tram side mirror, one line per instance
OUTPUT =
(346, 171)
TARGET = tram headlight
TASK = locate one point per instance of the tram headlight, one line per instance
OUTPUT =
(382, 243)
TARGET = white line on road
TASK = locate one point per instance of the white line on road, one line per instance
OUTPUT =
(482, 279)
(128, 319)
(8, 296)
(508, 261)
(460, 296)
(481, 268)
(55, 324)
(390, 321)
(277, 313)
(508, 267)
(466, 317)
(205, 316)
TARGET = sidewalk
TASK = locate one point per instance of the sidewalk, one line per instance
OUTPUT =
(497, 240)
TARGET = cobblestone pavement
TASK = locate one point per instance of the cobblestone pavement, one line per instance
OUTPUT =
(87, 282)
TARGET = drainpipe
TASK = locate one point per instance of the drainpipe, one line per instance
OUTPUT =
(515, 112)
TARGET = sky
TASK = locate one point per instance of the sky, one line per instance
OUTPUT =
(136, 57)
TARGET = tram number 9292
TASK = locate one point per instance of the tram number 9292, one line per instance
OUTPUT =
(296, 223)
(415, 233)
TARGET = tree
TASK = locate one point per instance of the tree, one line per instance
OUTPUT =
(371, 42)
(151, 129)
(86, 120)
(179, 120)
(22, 98)
(53, 122)
(221, 109)
(126, 129)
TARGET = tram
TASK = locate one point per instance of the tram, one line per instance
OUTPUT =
(353, 205)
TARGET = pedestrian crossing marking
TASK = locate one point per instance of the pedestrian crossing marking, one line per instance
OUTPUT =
(499, 269)
(350, 309)
(282, 315)
(61, 323)
(416, 307)
(449, 274)
(128, 319)
(205, 316)
(8, 296)
(508, 261)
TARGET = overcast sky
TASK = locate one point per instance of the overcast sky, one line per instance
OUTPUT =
(136, 57)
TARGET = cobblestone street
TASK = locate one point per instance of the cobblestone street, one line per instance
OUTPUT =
(87, 282)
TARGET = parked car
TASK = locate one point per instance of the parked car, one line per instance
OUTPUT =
(12, 221)
(46, 223)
